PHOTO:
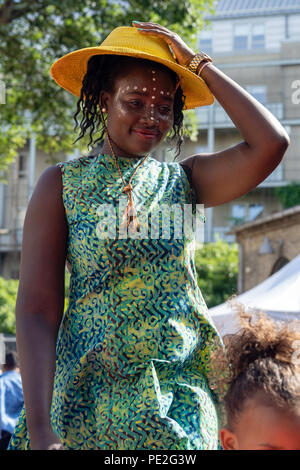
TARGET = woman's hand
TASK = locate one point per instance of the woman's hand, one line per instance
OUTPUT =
(183, 53)
(45, 439)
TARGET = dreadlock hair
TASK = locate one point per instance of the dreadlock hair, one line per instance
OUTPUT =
(261, 358)
(102, 71)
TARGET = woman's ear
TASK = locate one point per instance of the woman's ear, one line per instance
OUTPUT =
(228, 439)
(104, 99)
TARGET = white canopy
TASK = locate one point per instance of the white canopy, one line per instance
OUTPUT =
(278, 296)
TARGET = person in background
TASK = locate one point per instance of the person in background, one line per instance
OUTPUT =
(11, 398)
(261, 372)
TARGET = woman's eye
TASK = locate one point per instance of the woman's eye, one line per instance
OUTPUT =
(135, 102)
(164, 110)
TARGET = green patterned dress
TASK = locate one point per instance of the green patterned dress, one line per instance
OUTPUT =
(133, 362)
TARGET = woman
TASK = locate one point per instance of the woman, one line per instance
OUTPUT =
(132, 368)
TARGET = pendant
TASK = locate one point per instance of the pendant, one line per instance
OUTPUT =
(128, 188)
(130, 216)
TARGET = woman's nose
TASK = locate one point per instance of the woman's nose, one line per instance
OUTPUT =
(150, 114)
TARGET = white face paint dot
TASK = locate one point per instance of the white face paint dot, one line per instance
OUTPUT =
(154, 89)
(153, 71)
(135, 87)
(153, 97)
(153, 79)
(152, 105)
(161, 92)
(144, 89)
(168, 93)
(127, 88)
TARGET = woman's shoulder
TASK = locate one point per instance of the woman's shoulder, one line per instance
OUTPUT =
(179, 170)
(172, 167)
(76, 164)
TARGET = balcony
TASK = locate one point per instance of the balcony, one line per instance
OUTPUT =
(10, 240)
(215, 116)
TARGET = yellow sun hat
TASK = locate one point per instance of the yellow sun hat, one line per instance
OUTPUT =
(69, 70)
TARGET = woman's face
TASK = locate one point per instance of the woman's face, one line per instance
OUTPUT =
(139, 110)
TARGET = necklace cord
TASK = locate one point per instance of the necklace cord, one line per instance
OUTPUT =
(130, 215)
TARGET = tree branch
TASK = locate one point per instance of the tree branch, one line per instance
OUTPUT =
(11, 11)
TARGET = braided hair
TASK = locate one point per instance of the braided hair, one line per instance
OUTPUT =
(102, 71)
(261, 358)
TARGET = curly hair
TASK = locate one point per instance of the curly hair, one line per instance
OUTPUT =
(262, 357)
(102, 71)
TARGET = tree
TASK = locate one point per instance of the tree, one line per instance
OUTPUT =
(33, 34)
(8, 295)
(217, 270)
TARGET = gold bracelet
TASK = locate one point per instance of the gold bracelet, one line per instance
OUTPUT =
(195, 61)
(202, 67)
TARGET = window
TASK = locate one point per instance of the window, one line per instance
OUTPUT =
(240, 37)
(247, 36)
(258, 92)
(258, 36)
(254, 210)
(206, 45)
(22, 166)
(241, 213)
(205, 42)
(238, 213)
(3, 199)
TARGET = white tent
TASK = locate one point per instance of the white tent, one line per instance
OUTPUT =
(278, 296)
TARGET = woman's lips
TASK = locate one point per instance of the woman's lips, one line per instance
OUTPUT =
(145, 134)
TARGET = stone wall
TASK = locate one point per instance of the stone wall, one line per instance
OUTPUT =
(283, 231)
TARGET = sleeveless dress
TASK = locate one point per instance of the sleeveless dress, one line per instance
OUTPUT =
(133, 369)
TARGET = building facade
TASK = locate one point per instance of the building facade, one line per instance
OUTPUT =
(257, 44)
(266, 245)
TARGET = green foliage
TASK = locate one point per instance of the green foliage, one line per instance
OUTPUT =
(8, 298)
(288, 195)
(8, 295)
(217, 270)
(34, 34)
(191, 124)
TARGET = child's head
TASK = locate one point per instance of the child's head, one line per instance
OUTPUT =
(262, 401)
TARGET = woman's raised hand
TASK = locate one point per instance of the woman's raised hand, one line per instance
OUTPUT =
(183, 53)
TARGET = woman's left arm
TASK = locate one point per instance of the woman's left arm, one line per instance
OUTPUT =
(223, 176)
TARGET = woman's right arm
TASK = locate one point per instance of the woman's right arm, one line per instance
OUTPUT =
(40, 302)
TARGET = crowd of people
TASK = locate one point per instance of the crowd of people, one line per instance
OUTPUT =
(11, 397)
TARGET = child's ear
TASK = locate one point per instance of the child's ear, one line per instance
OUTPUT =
(228, 439)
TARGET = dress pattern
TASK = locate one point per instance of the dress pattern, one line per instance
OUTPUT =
(133, 367)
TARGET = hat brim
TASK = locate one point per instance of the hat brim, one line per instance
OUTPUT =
(69, 71)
